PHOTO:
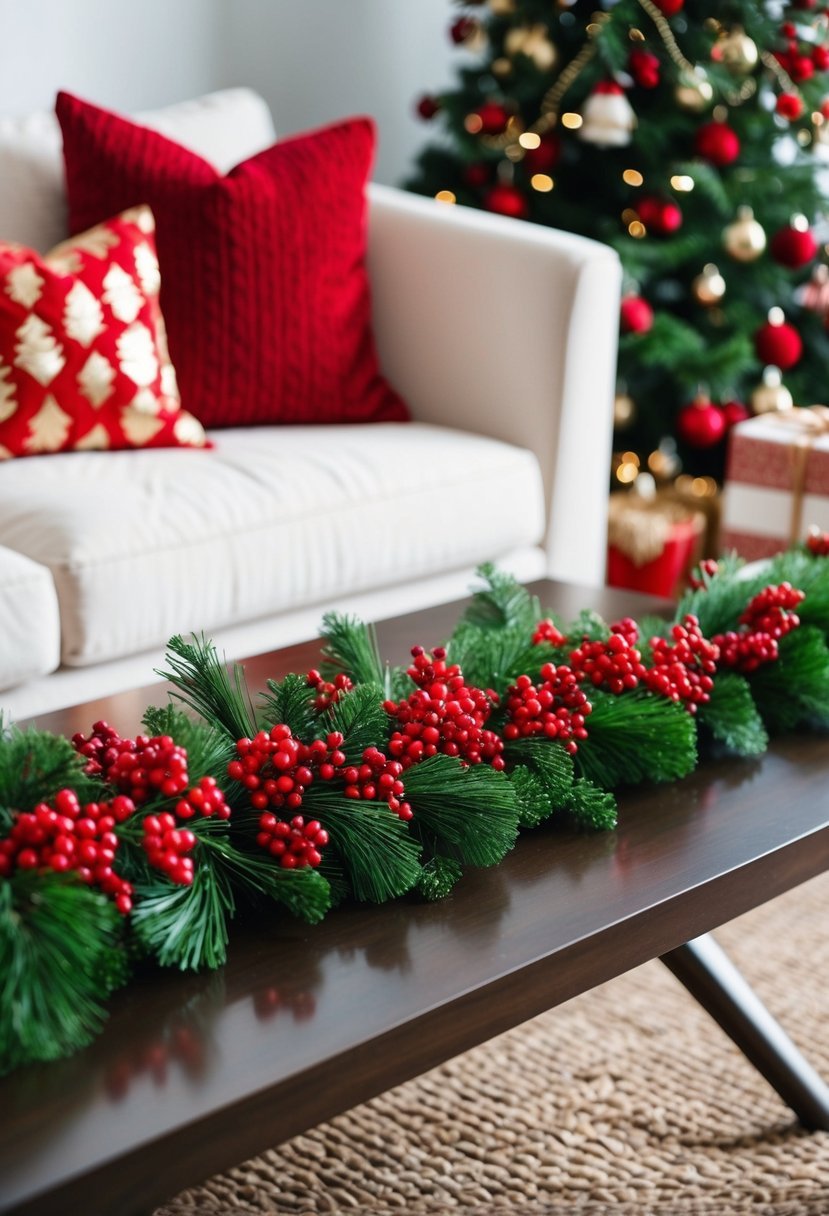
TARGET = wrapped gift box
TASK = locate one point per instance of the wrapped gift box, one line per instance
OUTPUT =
(776, 481)
(652, 542)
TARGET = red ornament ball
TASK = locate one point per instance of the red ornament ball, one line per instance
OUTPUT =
(735, 412)
(780, 345)
(700, 424)
(477, 175)
(718, 143)
(545, 157)
(800, 68)
(789, 106)
(493, 116)
(644, 68)
(669, 8)
(793, 247)
(820, 58)
(506, 200)
(659, 215)
(428, 106)
(636, 315)
(462, 29)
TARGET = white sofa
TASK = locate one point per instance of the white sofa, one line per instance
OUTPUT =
(500, 335)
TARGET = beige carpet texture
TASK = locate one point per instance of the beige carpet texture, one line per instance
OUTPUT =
(627, 1100)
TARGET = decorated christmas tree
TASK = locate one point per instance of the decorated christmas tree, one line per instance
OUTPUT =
(687, 135)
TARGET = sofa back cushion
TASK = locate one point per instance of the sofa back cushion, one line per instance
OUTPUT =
(263, 280)
(224, 128)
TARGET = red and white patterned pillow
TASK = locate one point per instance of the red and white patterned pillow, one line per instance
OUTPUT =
(83, 352)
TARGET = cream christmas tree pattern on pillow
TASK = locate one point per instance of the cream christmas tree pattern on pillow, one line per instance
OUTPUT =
(84, 362)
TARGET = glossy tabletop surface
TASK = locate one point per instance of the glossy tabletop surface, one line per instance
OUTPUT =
(303, 1023)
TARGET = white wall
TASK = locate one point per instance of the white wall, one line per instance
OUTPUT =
(319, 60)
(122, 55)
(313, 60)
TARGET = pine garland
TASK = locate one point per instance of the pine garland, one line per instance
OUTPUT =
(371, 782)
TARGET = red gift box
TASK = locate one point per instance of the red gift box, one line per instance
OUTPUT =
(652, 543)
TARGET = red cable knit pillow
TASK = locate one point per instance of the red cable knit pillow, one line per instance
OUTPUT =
(83, 355)
(265, 290)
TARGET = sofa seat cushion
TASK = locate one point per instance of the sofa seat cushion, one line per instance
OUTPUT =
(29, 620)
(145, 544)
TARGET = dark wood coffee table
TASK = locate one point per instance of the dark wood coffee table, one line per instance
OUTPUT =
(195, 1073)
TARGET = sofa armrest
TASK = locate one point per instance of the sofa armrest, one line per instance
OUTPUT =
(507, 329)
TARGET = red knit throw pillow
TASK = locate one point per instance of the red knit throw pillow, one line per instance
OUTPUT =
(83, 356)
(264, 286)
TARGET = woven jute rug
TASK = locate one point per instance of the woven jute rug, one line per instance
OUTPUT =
(627, 1100)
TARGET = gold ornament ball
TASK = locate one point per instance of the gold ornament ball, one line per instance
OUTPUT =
(534, 42)
(772, 396)
(693, 91)
(502, 8)
(736, 52)
(624, 411)
(744, 239)
(708, 288)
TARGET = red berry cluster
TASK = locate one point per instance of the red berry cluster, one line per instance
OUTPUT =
(745, 652)
(68, 836)
(167, 847)
(817, 543)
(772, 610)
(378, 778)
(328, 692)
(546, 631)
(767, 619)
(615, 664)
(444, 715)
(203, 799)
(139, 767)
(708, 566)
(297, 844)
(555, 708)
(167, 844)
(683, 671)
(277, 768)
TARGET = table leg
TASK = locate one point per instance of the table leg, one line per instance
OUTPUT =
(713, 980)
